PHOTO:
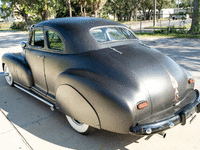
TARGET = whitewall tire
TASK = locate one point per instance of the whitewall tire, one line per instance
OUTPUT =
(80, 127)
(8, 76)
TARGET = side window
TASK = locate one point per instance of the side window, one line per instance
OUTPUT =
(55, 41)
(37, 38)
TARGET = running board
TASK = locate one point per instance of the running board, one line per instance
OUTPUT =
(39, 98)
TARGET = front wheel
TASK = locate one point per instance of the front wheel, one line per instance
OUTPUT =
(8, 76)
(80, 127)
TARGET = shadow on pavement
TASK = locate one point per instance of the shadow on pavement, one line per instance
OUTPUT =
(17, 37)
(185, 52)
(32, 116)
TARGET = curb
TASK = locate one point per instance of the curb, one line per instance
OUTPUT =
(10, 137)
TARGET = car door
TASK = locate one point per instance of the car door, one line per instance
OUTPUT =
(35, 55)
(54, 59)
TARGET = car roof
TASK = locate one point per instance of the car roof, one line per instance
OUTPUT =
(76, 32)
(77, 23)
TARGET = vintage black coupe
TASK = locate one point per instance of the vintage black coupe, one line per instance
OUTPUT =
(100, 75)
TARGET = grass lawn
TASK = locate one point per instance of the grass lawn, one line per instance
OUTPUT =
(168, 35)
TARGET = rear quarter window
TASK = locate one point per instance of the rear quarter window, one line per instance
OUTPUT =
(54, 41)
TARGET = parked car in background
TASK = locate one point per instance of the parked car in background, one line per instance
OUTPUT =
(180, 16)
(101, 76)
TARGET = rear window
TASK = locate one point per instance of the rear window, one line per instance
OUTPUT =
(107, 34)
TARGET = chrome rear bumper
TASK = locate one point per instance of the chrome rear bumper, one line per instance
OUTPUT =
(180, 118)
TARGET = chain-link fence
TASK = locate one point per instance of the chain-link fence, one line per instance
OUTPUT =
(144, 23)
(168, 22)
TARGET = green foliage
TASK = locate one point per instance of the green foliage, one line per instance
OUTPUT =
(186, 4)
(172, 29)
(123, 9)
(105, 15)
(164, 4)
(5, 10)
(19, 25)
(167, 35)
(54, 41)
(62, 9)
(34, 19)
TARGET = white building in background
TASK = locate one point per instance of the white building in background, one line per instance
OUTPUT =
(165, 13)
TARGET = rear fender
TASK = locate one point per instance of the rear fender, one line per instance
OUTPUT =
(113, 113)
(72, 103)
(18, 67)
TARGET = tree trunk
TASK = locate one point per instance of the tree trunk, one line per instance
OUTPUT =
(26, 17)
(81, 10)
(23, 13)
(84, 12)
(144, 13)
(70, 8)
(159, 10)
(150, 16)
(120, 17)
(195, 27)
(96, 13)
(135, 14)
(115, 16)
(44, 15)
(131, 15)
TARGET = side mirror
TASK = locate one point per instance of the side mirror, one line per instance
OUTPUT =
(23, 44)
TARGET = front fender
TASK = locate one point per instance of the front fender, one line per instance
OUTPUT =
(19, 68)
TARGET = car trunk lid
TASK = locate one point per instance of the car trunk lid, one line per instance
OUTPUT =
(164, 79)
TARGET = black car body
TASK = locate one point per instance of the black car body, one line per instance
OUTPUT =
(97, 72)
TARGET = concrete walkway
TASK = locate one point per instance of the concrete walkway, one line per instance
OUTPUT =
(10, 137)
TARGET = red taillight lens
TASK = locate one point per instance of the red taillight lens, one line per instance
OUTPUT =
(191, 81)
(142, 105)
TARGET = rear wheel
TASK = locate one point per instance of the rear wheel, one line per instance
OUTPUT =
(8, 76)
(80, 127)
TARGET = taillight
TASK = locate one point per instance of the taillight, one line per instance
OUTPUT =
(142, 105)
(190, 81)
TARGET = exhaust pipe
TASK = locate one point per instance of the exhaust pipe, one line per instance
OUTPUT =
(163, 134)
